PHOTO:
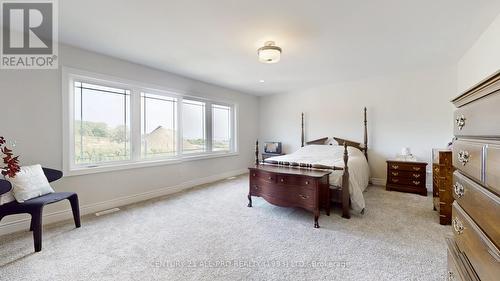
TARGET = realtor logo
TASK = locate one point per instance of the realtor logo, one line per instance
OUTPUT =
(29, 34)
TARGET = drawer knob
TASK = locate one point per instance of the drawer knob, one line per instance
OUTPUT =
(395, 180)
(270, 178)
(304, 197)
(460, 121)
(416, 168)
(395, 166)
(459, 189)
(256, 187)
(463, 157)
(458, 226)
(395, 173)
(416, 182)
(253, 175)
(416, 176)
(282, 180)
(307, 182)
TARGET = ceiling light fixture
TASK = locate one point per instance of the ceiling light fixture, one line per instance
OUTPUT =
(269, 53)
(261, 81)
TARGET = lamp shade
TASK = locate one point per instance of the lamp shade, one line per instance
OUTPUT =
(270, 53)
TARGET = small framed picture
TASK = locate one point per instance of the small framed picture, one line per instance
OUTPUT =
(272, 147)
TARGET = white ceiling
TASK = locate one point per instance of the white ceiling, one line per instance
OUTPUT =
(323, 41)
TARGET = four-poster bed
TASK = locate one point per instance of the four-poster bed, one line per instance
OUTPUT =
(309, 179)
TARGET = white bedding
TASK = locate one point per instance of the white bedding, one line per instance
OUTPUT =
(333, 155)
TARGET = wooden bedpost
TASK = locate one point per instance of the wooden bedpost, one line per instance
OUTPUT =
(257, 152)
(302, 131)
(366, 138)
(345, 186)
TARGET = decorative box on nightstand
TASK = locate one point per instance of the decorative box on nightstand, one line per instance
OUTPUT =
(406, 176)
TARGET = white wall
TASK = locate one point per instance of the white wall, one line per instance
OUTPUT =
(31, 114)
(410, 109)
(482, 59)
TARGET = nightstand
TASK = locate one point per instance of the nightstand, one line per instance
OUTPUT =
(406, 176)
(267, 155)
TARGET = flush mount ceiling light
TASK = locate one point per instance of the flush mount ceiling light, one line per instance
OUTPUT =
(270, 53)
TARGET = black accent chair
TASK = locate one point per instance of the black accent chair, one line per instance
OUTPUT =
(34, 206)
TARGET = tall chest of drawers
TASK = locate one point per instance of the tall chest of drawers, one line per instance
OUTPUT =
(473, 251)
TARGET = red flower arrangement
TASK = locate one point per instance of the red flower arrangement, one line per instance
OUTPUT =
(11, 161)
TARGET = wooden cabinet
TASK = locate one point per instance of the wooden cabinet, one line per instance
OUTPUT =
(476, 183)
(406, 176)
(442, 182)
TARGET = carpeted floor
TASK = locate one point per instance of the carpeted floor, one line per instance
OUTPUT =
(208, 233)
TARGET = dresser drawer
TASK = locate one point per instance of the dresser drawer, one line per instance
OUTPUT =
(492, 169)
(468, 158)
(262, 176)
(397, 166)
(478, 118)
(480, 251)
(284, 195)
(454, 272)
(481, 205)
(301, 181)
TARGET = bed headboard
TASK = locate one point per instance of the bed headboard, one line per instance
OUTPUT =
(340, 141)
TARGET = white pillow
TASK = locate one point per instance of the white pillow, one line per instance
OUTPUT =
(29, 183)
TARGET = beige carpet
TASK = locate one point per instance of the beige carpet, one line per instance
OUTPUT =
(208, 233)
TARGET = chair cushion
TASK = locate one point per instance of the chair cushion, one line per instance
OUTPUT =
(33, 204)
(30, 182)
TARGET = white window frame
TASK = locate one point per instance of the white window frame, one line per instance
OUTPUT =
(70, 75)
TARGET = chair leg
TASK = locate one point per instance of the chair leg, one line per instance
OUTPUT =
(31, 223)
(73, 200)
(36, 222)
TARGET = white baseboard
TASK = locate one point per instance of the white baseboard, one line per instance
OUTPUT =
(48, 218)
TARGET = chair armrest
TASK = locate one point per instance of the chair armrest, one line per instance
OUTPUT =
(52, 175)
(5, 186)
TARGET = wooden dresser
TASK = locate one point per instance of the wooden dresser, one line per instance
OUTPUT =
(442, 182)
(406, 176)
(291, 187)
(473, 251)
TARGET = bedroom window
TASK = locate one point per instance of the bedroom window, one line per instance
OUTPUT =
(113, 124)
(101, 124)
(221, 127)
(158, 126)
(193, 126)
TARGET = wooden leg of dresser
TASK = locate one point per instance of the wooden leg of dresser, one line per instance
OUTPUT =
(316, 217)
(249, 201)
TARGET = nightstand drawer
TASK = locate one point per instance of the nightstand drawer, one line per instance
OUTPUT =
(406, 181)
(398, 166)
(407, 174)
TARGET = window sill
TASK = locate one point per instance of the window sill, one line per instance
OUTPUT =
(143, 164)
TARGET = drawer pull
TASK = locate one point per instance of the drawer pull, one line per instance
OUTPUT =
(459, 189)
(463, 157)
(256, 187)
(253, 175)
(395, 173)
(282, 180)
(416, 182)
(270, 178)
(395, 180)
(416, 176)
(451, 276)
(458, 226)
(395, 166)
(307, 182)
(416, 168)
(460, 121)
(303, 196)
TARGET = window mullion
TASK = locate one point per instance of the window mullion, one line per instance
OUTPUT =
(208, 126)
(179, 136)
(135, 124)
